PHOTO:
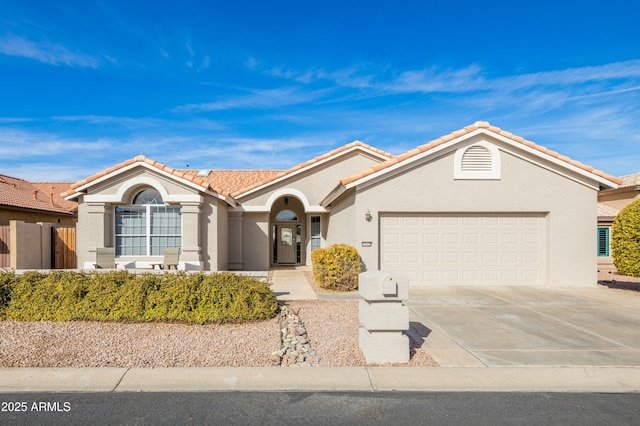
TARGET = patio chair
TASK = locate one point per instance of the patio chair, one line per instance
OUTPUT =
(171, 255)
(105, 258)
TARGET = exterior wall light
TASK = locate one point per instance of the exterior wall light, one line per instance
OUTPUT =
(367, 216)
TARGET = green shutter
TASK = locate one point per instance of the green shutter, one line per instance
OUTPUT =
(603, 241)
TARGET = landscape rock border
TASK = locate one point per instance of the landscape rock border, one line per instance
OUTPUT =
(296, 350)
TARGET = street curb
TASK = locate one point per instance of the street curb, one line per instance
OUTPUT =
(278, 379)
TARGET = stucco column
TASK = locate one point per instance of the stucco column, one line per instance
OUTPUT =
(94, 229)
(235, 240)
(191, 247)
(98, 231)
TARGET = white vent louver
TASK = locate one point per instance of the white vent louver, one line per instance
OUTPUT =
(476, 159)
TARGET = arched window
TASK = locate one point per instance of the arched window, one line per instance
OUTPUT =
(478, 161)
(148, 196)
(147, 227)
(286, 216)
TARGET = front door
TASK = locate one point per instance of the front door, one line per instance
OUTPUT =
(286, 244)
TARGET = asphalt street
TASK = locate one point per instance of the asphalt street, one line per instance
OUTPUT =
(319, 408)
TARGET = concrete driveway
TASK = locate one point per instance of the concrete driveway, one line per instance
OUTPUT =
(523, 326)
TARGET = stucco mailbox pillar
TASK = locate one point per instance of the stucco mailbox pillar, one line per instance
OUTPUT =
(383, 317)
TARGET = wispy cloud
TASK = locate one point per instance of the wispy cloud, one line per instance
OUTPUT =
(352, 77)
(252, 153)
(258, 99)
(572, 76)
(46, 52)
(38, 144)
(468, 79)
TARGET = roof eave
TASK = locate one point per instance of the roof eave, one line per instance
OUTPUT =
(297, 169)
(403, 162)
(334, 195)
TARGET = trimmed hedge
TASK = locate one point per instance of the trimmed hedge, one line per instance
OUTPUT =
(625, 241)
(336, 267)
(121, 296)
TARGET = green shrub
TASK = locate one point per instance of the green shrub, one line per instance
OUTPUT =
(336, 267)
(120, 296)
(7, 281)
(625, 241)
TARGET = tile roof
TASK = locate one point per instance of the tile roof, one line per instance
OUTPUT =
(311, 162)
(182, 174)
(234, 180)
(466, 130)
(41, 196)
(630, 180)
(606, 212)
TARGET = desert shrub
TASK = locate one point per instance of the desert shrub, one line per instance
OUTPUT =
(53, 296)
(336, 267)
(625, 240)
(7, 280)
(120, 296)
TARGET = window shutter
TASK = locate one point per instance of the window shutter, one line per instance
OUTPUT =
(603, 241)
(476, 159)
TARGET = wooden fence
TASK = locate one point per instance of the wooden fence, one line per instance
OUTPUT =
(5, 260)
(63, 248)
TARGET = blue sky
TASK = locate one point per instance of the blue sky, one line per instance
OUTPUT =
(269, 84)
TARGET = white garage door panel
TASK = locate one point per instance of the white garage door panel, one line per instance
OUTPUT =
(465, 249)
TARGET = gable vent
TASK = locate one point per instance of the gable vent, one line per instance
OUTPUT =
(476, 159)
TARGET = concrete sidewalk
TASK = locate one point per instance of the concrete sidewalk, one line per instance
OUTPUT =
(278, 379)
(289, 283)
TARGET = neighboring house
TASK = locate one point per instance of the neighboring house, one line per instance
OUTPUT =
(610, 202)
(32, 202)
(477, 206)
(35, 202)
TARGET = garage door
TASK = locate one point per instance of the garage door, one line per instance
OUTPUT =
(464, 249)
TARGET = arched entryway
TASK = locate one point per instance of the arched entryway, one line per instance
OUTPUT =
(287, 221)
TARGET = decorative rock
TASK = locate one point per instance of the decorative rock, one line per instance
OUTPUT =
(275, 358)
(296, 349)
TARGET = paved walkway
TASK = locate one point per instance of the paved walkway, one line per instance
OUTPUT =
(289, 283)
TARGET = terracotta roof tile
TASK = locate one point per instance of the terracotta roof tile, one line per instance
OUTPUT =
(142, 159)
(466, 130)
(311, 162)
(42, 196)
(232, 180)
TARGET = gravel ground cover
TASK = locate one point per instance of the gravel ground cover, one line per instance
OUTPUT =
(332, 327)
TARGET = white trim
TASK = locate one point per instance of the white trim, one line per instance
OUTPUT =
(557, 171)
(448, 146)
(492, 174)
(170, 198)
(315, 164)
(266, 209)
(310, 227)
(283, 192)
(130, 184)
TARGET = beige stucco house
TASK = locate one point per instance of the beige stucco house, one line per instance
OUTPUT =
(477, 206)
(610, 202)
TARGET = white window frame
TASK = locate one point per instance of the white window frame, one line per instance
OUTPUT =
(319, 236)
(493, 174)
(148, 235)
